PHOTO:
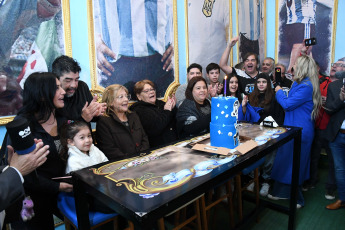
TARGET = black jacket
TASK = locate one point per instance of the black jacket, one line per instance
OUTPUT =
(275, 110)
(336, 108)
(74, 104)
(159, 124)
(191, 121)
(117, 141)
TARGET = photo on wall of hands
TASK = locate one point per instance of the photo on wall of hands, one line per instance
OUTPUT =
(131, 41)
(251, 22)
(33, 33)
(297, 20)
(208, 31)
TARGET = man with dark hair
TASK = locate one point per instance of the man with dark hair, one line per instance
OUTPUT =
(193, 70)
(212, 73)
(79, 103)
(247, 76)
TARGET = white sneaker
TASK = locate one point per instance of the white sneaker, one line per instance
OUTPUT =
(298, 206)
(264, 189)
(250, 187)
(275, 197)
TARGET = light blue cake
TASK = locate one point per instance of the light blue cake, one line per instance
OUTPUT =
(223, 131)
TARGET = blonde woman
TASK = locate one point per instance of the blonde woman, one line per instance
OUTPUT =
(119, 132)
(301, 108)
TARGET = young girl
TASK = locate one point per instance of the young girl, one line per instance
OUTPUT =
(262, 103)
(77, 147)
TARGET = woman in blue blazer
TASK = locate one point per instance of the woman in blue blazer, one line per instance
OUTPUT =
(301, 107)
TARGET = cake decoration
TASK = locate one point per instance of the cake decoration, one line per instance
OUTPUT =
(223, 132)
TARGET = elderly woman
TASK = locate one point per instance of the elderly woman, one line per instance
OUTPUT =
(301, 107)
(157, 117)
(42, 96)
(194, 114)
(119, 131)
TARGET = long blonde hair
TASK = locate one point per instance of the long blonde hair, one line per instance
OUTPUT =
(306, 67)
(109, 95)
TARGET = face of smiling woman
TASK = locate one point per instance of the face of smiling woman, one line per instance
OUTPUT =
(200, 92)
(233, 85)
(59, 96)
(120, 103)
(148, 94)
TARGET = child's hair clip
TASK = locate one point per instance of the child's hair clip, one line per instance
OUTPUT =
(70, 121)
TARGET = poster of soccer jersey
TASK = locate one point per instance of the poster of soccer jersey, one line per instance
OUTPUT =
(302, 19)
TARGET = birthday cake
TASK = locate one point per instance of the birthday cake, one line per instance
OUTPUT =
(223, 132)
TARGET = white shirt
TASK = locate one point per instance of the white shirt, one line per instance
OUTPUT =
(79, 160)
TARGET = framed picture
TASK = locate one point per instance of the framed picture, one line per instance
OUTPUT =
(131, 41)
(251, 22)
(298, 20)
(32, 34)
(208, 30)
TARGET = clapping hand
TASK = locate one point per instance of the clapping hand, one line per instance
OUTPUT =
(171, 102)
(220, 88)
(93, 109)
(213, 90)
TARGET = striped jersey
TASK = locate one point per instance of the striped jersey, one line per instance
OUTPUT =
(135, 28)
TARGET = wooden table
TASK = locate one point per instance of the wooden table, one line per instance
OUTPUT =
(144, 189)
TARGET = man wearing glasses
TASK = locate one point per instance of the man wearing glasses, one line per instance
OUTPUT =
(336, 67)
(320, 137)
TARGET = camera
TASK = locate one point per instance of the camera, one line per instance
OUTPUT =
(310, 41)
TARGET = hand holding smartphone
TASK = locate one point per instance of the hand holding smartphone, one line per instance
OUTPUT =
(278, 76)
(310, 41)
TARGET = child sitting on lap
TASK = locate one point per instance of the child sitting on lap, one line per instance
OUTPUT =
(79, 152)
(77, 146)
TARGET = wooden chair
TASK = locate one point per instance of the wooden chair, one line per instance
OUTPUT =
(180, 224)
(212, 202)
(239, 189)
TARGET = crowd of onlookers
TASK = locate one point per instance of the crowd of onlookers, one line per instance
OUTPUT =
(59, 108)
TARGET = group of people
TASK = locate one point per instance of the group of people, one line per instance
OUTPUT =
(59, 108)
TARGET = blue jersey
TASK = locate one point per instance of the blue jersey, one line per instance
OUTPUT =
(135, 28)
(301, 11)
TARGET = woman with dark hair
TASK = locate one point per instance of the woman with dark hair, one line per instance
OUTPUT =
(262, 103)
(156, 116)
(42, 96)
(232, 88)
(119, 132)
(194, 114)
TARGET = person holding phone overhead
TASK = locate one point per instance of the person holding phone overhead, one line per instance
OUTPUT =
(301, 108)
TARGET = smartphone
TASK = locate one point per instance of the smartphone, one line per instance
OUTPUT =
(344, 82)
(278, 76)
(310, 41)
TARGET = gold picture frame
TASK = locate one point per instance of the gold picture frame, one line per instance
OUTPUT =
(95, 72)
(66, 37)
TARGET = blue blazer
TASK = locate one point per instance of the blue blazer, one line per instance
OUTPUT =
(298, 107)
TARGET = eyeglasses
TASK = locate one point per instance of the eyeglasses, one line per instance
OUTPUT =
(121, 97)
(337, 65)
(149, 90)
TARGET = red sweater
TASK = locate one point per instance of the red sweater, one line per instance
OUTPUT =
(323, 117)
